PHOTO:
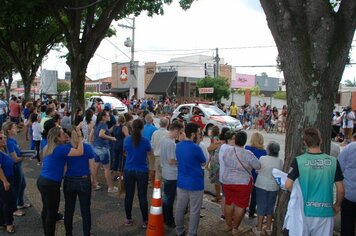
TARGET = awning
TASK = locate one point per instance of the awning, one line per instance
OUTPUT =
(115, 90)
(161, 82)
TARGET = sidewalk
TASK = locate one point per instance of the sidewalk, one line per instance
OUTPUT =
(107, 211)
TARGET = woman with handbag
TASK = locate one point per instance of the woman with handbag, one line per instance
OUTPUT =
(237, 181)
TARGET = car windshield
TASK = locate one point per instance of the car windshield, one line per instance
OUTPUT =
(213, 111)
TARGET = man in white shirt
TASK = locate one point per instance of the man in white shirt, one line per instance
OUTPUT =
(168, 162)
(157, 136)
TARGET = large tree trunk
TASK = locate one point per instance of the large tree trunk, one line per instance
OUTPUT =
(27, 76)
(313, 43)
(78, 68)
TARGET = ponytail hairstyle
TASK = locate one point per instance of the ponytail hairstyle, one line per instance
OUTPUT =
(74, 138)
(137, 126)
(52, 140)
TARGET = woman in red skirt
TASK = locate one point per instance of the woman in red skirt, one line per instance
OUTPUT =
(237, 181)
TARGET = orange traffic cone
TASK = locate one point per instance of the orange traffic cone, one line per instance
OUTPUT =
(155, 226)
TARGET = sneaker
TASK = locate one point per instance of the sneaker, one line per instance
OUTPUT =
(222, 218)
(113, 190)
(128, 222)
(144, 225)
(96, 188)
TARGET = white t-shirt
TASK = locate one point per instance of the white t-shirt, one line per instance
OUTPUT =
(348, 119)
(265, 179)
(36, 131)
(221, 160)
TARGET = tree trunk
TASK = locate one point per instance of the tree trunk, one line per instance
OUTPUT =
(78, 68)
(8, 85)
(313, 42)
(27, 78)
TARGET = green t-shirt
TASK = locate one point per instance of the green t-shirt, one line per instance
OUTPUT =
(316, 174)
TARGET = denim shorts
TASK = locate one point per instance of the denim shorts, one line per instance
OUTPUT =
(266, 201)
(102, 155)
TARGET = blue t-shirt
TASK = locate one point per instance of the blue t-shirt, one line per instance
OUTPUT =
(258, 153)
(136, 157)
(43, 143)
(117, 133)
(98, 141)
(190, 158)
(53, 164)
(12, 146)
(79, 165)
(7, 164)
(148, 130)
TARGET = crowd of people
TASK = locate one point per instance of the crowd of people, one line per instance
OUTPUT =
(132, 149)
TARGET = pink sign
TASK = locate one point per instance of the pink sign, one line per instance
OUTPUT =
(243, 81)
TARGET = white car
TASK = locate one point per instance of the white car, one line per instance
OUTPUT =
(114, 102)
(210, 115)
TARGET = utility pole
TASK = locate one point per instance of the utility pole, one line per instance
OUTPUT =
(217, 60)
(131, 43)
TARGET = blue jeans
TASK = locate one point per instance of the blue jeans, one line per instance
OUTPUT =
(130, 179)
(73, 187)
(19, 183)
(7, 203)
(169, 194)
(51, 195)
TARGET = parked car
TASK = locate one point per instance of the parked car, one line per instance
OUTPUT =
(114, 102)
(210, 115)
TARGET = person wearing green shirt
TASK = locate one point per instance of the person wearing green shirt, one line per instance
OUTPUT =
(317, 173)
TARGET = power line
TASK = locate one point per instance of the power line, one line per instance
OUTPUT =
(118, 48)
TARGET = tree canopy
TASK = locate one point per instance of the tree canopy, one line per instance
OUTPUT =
(27, 34)
(221, 87)
(86, 23)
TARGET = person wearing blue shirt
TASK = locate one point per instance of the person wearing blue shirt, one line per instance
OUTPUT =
(7, 195)
(190, 180)
(101, 136)
(10, 129)
(147, 133)
(257, 148)
(136, 171)
(49, 181)
(77, 183)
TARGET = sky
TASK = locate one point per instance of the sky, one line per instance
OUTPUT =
(237, 28)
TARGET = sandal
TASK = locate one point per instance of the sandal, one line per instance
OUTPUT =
(18, 213)
(10, 229)
(26, 205)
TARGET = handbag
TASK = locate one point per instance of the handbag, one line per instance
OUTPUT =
(242, 164)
